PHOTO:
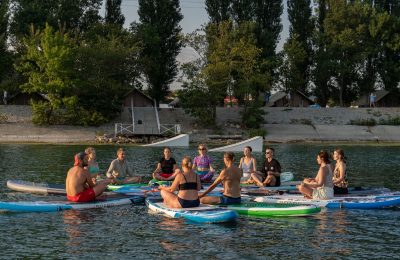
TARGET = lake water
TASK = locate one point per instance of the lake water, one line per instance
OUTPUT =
(131, 231)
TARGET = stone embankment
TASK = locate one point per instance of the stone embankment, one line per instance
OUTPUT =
(281, 125)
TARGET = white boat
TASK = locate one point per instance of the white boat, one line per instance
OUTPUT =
(256, 143)
(181, 140)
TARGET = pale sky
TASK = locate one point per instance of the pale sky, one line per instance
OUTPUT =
(194, 15)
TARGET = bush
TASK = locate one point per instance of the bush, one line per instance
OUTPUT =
(253, 116)
(390, 121)
(257, 132)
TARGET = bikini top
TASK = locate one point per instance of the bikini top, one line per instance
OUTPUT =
(93, 169)
(188, 185)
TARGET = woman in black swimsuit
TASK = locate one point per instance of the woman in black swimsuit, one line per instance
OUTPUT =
(188, 183)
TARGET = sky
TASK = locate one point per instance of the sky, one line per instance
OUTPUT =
(194, 15)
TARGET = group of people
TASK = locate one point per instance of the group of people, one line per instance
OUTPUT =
(83, 184)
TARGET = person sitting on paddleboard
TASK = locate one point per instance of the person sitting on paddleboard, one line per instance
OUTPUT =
(93, 166)
(320, 187)
(202, 164)
(187, 183)
(79, 184)
(120, 171)
(166, 168)
(230, 178)
(270, 174)
(248, 165)
(339, 173)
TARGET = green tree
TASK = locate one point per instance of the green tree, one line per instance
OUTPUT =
(4, 53)
(218, 10)
(113, 13)
(159, 32)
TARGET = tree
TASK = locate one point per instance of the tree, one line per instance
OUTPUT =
(113, 13)
(298, 46)
(4, 53)
(218, 10)
(159, 32)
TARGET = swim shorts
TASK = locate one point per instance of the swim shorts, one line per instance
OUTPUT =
(84, 196)
(225, 200)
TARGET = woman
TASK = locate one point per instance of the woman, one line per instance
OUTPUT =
(339, 173)
(320, 187)
(188, 184)
(93, 166)
(166, 168)
(248, 165)
(202, 164)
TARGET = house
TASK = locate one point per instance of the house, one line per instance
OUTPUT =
(136, 98)
(24, 99)
(383, 99)
(294, 99)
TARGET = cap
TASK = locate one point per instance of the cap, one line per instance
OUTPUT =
(79, 157)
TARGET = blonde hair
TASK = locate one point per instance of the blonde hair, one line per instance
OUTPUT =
(120, 150)
(90, 150)
(187, 162)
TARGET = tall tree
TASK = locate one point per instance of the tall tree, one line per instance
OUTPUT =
(4, 54)
(113, 13)
(218, 10)
(300, 33)
(159, 32)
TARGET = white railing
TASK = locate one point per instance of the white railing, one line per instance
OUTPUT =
(170, 129)
(157, 118)
(124, 129)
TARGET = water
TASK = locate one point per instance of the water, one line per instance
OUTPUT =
(131, 231)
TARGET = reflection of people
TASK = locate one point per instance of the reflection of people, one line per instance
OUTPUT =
(188, 183)
(372, 99)
(230, 178)
(247, 164)
(339, 173)
(320, 187)
(119, 169)
(166, 168)
(270, 174)
(202, 164)
(93, 166)
(79, 184)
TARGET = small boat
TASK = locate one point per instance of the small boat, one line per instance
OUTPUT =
(349, 202)
(201, 214)
(60, 205)
(260, 209)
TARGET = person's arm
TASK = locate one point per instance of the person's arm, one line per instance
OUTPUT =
(89, 180)
(158, 169)
(319, 181)
(215, 183)
(254, 165)
(110, 170)
(240, 163)
(174, 185)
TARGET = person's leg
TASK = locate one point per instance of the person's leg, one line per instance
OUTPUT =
(210, 200)
(100, 187)
(134, 179)
(307, 192)
(257, 178)
(270, 181)
(170, 199)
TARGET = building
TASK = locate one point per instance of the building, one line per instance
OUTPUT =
(383, 99)
(294, 99)
(24, 99)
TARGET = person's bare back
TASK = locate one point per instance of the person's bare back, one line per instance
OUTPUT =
(231, 180)
(77, 180)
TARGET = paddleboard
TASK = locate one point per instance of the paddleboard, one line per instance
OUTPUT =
(60, 205)
(38, 188)
(260, 209)
(201, 214)
(349, 202)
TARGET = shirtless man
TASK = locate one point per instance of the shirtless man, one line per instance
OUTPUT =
(79, 183)
(230, 178)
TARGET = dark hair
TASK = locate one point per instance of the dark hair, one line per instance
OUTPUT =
(324, 156)
(341, 153)
(249, 147)
(229, 155)
(166, 147)
(270, 148)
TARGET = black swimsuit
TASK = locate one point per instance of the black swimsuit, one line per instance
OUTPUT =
(188, 186)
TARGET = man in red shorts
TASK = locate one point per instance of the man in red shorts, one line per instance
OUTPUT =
(79, 184)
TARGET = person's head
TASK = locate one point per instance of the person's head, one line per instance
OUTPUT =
(167, 152)
(80, 159)
(187, 162)
(91, 152)
(228, 157)
(269, 152)
(338, 155)
(202, 148)
(323, 157)
(121, 154)
(247, 150)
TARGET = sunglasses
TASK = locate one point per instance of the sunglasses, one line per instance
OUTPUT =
(202, 149)
(267, 152)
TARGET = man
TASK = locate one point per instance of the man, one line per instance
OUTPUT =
(270, 173)
(230, 178)
(79, 184)
(372, 99)
(120, 171)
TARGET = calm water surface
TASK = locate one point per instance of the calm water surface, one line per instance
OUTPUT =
(131, 231)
